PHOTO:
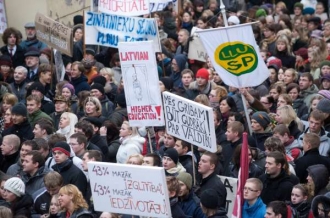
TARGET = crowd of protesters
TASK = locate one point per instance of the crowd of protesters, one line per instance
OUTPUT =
(51, 129)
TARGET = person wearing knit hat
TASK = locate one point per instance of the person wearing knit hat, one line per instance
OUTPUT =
(209, 204)
(46, 52)
(91, 71)
(260, 121)
(68, 88)
(16, 186)
(261, 13)
(189, 205)
(325, 82)
(233, 20)
(171, 163)
(313, 23)
(324, 105)
(308, 11)
(65, 166)
(302, 52)
(298, 9)
(19, 109)
(97, 90)
(202, 84)
(165, 84)
(5, 60)
(325, 93)
(100, 80)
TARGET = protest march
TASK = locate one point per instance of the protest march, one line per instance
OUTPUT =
(166, 108)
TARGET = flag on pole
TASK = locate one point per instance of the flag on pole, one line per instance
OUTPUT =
(243, 175)
(235, 55)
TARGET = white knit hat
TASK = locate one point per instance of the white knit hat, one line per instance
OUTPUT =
(16, 186)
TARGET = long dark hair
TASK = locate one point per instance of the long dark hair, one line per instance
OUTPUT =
(231, 103)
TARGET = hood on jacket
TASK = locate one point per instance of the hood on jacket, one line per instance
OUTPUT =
(320, 176)
(321, 199)
(137, 140)
(181, 61)
(176, 170)
(311, 90)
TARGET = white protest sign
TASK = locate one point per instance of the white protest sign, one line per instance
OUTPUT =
(189, 121)
(141, 82)
(129, 189)
(158, 5)
(231, 187)
(124, 7)
(54, 34)
(196, 48)
(108, 30)
(3, 18)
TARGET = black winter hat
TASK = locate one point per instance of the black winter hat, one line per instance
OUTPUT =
(173, 154)
(168, 83)
(5, 60)
(95, 121)
(63, 147)
(98, 87)
(37, 86)
(209, 199)
(90, 51)
(100, 80)
(78, 19)
(121, 100)
(19, 109)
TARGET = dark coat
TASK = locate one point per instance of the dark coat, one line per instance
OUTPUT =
(119, 116)
(300, 107)
(107, 106)
(22, 206)
(228, 149)
(214, 182)
(80, 213)
(294, 131)
(8, 160)
(288, 61)
(23, 131)
(72, 175)
(320, 176)
(80, 84)
(301, 210)
(311, 157)
(219, 214)
(101, 142)
(176, 209)
(112, 150)
(190, 206)
(188, 164)
(18, 58)
(260, 139)
(19, 90)
(283, 182)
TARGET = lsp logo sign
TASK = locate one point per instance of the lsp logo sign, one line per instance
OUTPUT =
(236, 57)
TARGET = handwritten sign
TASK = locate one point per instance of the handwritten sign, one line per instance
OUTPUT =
(189, 121)
(108, 30)
(140, 77)
(158, 5)
(3, 18)
(196, 48)
(231, 187)
(128, 189)
(54, 34)
(124, 7)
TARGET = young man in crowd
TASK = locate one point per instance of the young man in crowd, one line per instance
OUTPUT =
(151, 159)
(253, 205)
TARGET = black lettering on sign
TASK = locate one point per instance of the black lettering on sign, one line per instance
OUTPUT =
(227, 185)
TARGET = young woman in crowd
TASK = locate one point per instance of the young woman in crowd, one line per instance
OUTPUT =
(72, 203)
(8, 101)
(299, 204)
(131, 142)
(66, 124)
(298, 103)
(227, 105)
(286, 115)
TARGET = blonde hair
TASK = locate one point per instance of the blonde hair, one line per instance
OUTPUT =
(133, 129)
(108, 71)
(315, 56)
(96, 102)
(202, 99)
(77, 198)
(286, 40)
(56, 199)
(220, 91)
(139, 156)
(288, 115)
(9, 98)
(5, 212)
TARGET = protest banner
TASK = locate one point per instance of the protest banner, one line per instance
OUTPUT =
(3, 18)
(124, 7)
(141, 82)
(108, 30)
(189, 121)
(129, 189)
(158, 5)
(54, 34)
(196, 48)
(59, 65)
(231, 187)
(235, 55)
